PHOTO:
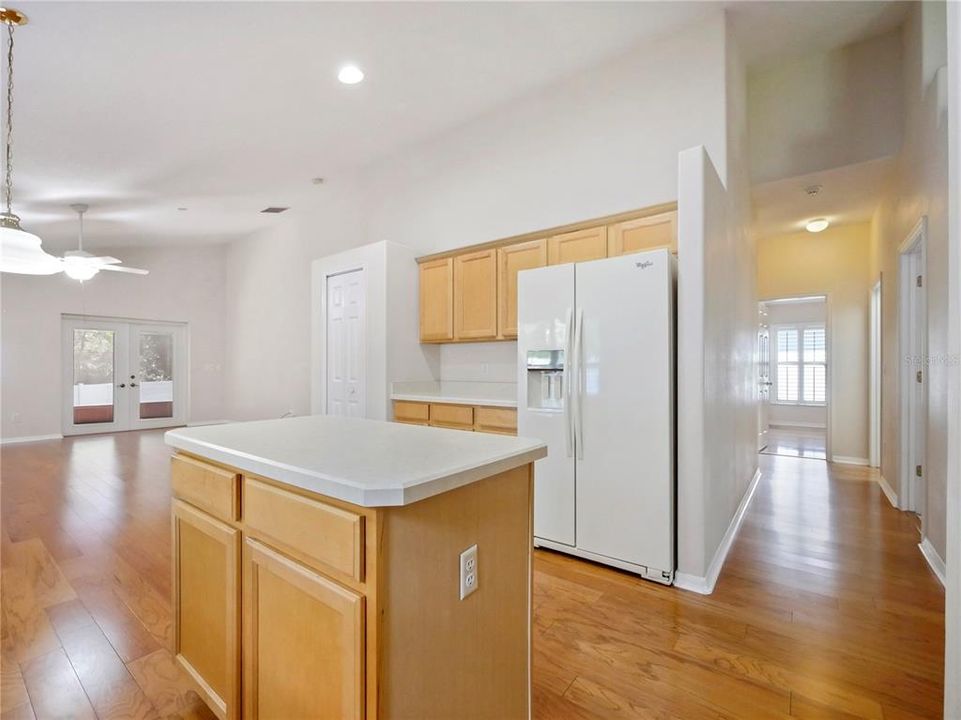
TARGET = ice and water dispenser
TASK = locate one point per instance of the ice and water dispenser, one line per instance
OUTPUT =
(545, 379)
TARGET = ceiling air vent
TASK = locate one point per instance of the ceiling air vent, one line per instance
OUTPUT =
(275, 210)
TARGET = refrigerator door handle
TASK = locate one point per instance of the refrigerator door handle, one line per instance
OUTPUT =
(568, 383)
(578, 384)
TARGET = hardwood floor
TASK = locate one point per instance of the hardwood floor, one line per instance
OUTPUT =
(825, 608)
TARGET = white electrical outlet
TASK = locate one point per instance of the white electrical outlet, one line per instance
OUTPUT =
(468, 571)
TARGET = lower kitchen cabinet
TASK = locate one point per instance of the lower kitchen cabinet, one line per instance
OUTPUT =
(206, 598)
(283, 612)
(303, 641)
(479, 418)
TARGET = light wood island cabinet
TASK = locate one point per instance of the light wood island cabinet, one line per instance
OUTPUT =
(301, 605)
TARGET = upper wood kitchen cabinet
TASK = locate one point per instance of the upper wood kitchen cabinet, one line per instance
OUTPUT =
(437, 300)
(577, 246)
(646, 233)
(510, 261)
(475, 295)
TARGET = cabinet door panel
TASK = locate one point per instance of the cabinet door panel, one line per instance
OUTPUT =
(436, 300)
(475, 295)
(646, 233)
(510, 261)
(577, 246)
(303, 641)
(206, 605)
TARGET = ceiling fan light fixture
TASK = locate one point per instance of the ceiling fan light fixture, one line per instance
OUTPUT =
(79, 271)
(20, 251)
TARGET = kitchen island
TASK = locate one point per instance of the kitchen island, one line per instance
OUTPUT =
(318, 569)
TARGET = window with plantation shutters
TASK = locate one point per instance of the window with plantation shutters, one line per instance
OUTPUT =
(800, 377)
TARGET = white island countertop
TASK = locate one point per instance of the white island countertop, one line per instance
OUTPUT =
(364, 462)
(494, 394)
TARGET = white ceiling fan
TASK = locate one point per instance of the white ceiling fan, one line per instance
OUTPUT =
(81, 265)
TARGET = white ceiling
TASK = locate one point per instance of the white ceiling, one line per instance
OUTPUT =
(849, 194)
(226, 108)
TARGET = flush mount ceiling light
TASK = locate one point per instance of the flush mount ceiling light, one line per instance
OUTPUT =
(350, 74)
(817, 225)
(20, 251)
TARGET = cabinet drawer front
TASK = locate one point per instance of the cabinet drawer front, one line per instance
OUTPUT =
(209, 487)
(495, 420)
(411, 412)
(326, 534)
(452, 416)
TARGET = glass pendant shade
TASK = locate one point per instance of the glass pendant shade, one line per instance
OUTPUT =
(20, 251)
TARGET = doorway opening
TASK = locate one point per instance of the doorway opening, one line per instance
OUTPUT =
(793, 350)
(913, 347)
(122, 375)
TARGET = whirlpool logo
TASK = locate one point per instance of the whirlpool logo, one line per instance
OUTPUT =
(644, 264)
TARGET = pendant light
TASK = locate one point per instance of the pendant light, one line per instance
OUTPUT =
(20, 251)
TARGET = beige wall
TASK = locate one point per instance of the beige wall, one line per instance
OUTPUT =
(835, 263)
(920, 190)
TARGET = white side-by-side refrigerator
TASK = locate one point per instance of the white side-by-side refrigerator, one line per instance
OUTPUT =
(595, 345)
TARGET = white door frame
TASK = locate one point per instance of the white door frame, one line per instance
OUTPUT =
(912, 354)
(874, 390)
(763, 380)
(126, 403)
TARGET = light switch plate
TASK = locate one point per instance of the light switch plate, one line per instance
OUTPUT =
(468, 571)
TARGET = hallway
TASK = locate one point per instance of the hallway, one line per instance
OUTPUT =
(825, 607)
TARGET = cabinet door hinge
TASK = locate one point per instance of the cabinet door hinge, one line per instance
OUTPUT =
(920, 281)
(918, 471)
(920, 376)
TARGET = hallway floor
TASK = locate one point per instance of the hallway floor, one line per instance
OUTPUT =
(796, 442)
(825, 608)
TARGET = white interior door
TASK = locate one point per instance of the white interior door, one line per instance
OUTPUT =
(346, 344)
(913, 342)
(119, 375)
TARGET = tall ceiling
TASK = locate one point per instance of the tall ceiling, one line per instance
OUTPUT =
(225, 108)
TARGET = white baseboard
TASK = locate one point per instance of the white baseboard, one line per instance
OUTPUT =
(705, 584)
(29, 439)
(198, 423)
(805, 425)
(888, 492)
(848, 460)
(934, 560)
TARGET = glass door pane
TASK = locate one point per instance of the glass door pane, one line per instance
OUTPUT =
(156, 350)
(94, 376)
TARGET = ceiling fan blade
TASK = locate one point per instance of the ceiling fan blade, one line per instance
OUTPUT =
(107, 260)
(121, 268)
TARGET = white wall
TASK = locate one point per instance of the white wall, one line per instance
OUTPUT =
(789, 313)
(827, 109)
(185, 284)
(714, 373)
(601, 142)
(921, 189)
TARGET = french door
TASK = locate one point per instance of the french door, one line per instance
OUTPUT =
(120, 375)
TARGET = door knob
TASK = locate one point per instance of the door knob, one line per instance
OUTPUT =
(122, 385)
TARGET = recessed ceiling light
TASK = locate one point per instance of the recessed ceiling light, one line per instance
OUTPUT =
(350, 74)
(817, 225)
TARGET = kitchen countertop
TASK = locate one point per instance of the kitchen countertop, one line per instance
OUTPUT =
(494, 394)
(364, 462)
